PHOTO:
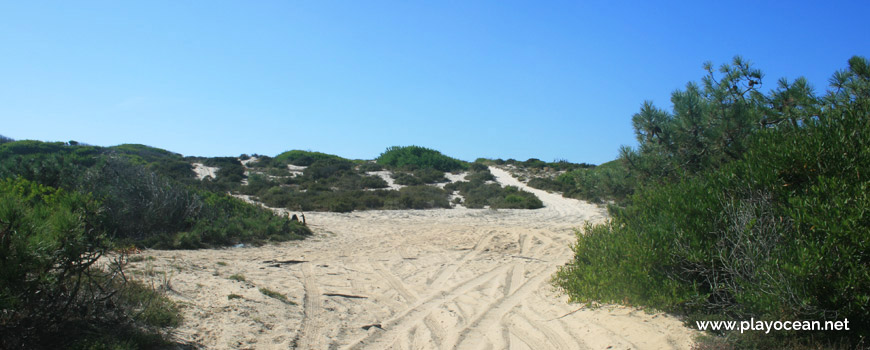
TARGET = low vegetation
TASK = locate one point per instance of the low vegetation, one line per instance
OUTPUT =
(302, 158)
(479, 193)
(416, 157)
(739, 205)
(419, 177)
(64, 206)
(276, 295)
(598, 184)
(52, 293)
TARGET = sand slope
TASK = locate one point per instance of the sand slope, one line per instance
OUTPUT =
(434, 279)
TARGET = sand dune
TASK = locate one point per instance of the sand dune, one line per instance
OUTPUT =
(433, 279)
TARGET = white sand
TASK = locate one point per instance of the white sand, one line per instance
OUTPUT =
(202, 171)
(433, 279)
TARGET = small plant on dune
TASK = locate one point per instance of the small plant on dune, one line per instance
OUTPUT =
(237, 277)
(415, 157)
(273, 294)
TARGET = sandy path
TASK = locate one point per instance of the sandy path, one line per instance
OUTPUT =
(433, 279)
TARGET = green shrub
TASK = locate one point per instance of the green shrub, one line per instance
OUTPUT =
(303, 158)
(548, 184)
(778, 233)
(406, 179)
(479, 194)
(417, 197)
(325, 168)
(230, 169)
(480, 176)
(273, 294)
(370, 166)
(372, 182)
(52, 293)
(415, 157)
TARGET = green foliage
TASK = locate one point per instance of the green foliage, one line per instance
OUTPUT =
(138, 203)
(417, 197)
(411, 197)
(777, 231)
(140, 206)
(609, 181)
(480, 176)
(52, 164)
(370, 166)
(303, 158)
(230, 169)
(534, 163)
(329, 167)
(273, 294)
(163, 162)
(419, 177)
(52, 292)
(479, 194)
(415, 157)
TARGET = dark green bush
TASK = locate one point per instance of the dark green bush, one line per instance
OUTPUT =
(415, 157)
(417, 197)
(406, 179)
(372, 182)
(777, 231)
(478, 167)
(303, 158)
(370, 166)
(548, 184)
(324, 168)
(52, 292)
(480, 176)
(419, 177)
(138, 203)
(230, 169)
(479, 194)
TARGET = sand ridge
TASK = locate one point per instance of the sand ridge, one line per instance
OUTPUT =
(427, 279)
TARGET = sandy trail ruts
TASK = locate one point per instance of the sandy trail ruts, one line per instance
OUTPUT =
(433, 279)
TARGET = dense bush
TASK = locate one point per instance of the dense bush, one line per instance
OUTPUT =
(419, 177)
(302, 158)
(224, 220)
(52, 164)
(230, 169)
(329, 167)
(479, 194)
(411, 197)
(52, 292)
(163, 162)
(139, 206)
(771, 225)
(370, 166)
(607, 182)
(415, 157)
(480, 176)
(534, 163)
(417, 197)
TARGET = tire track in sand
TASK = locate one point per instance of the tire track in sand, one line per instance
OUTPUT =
(311, 336)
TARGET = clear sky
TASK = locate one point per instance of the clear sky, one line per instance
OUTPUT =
(509, 79)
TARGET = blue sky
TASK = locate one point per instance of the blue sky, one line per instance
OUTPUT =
(544, 79)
